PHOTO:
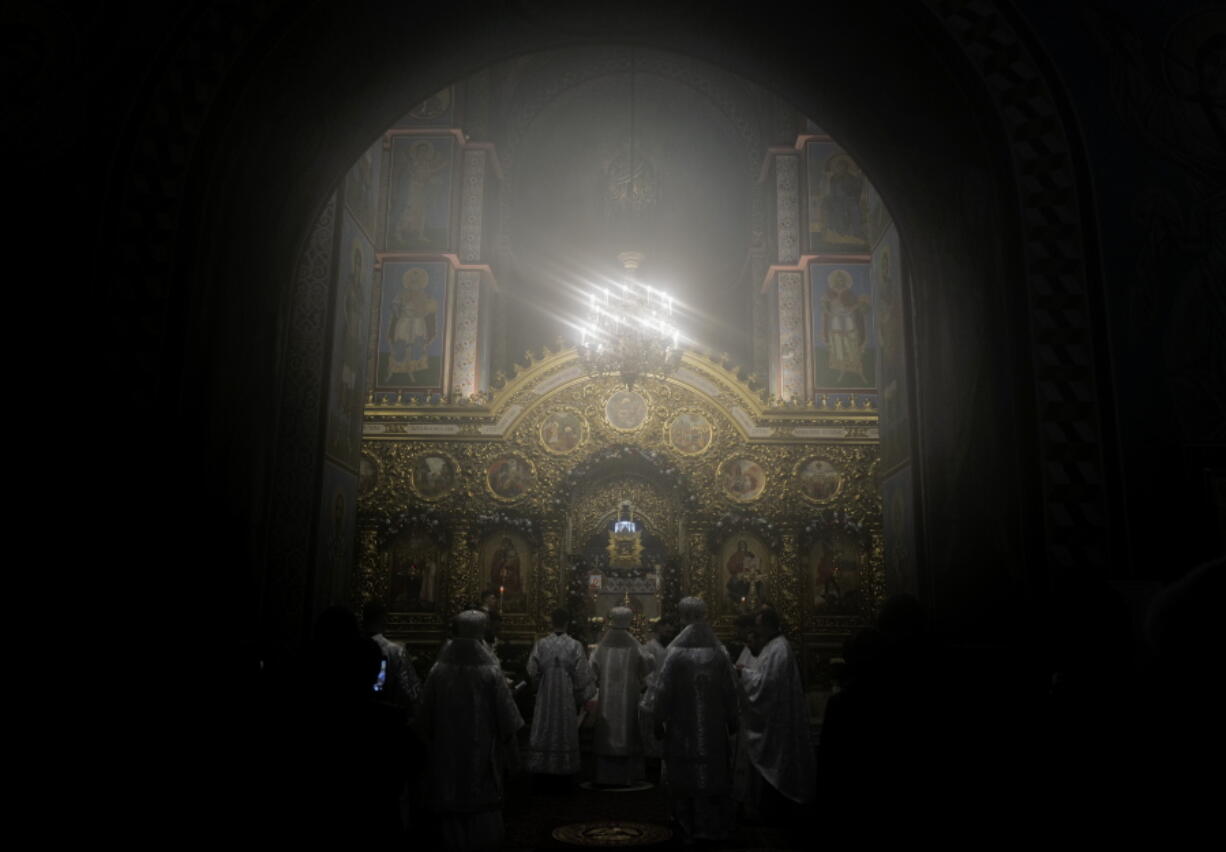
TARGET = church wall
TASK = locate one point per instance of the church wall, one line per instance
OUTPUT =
(948, 166)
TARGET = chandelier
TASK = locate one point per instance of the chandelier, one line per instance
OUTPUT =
(629, 329)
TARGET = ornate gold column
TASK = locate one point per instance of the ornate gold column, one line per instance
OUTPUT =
(552, 574)
(461, 569)
(790, 584)
(371, 584)
(695, 579)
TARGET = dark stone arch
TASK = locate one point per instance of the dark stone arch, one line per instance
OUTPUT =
(256, 119)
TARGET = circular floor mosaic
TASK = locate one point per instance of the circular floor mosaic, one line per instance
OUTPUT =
(611, 834)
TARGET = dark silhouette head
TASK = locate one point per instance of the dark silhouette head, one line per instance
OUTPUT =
(560, 618)
(374, 618)
(766, 625)
(666, 630)
(862, 652)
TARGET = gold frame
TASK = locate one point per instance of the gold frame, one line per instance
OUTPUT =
(668, 426)
(527, 492)
(838, 489)
(646, 413)
(585, 430)
(719, 478)
(457, 475)
(378, 477)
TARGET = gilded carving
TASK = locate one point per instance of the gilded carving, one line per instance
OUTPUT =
(777, 480)
(563, 431)
(550, 575)
(741, 479)
(367, 573)
(689, 433)
(626, 410)
(788, 602)
(594, 507)
(817, 480)
(510, 477)
(434, 475)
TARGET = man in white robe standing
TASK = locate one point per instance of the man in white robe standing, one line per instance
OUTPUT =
(468, 719)
(776, 725)
(559, 672)
(694, 704)
(620, 667)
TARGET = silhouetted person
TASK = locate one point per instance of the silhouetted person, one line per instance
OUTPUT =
(621, 669)
(469, 720)
(401, 687)
(358, 753)
(694, 704)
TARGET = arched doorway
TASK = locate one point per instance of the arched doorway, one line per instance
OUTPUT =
(989, 466)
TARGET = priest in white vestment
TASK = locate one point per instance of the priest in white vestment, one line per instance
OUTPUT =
(694, 704)
(559, 672)
(620, 667)
(655, 648)
(776, 723)
(468, 719)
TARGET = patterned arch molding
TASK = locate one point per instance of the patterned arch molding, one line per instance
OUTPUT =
(1076, 511)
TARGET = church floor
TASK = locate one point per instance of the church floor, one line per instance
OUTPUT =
(532, 811)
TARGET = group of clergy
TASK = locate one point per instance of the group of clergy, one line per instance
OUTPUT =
(680, 699)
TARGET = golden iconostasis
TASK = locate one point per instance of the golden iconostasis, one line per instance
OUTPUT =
(578, 491)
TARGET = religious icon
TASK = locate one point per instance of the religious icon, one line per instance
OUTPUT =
(562, 431)
(414, 325)
(335, 536)
(844, 328)
(838, 200)
(368, 475)
(361, 187)
(742, 479)
(414, 574)
(743, 573)
(626, 410)
(837, 560)
(818, 479)
(411, 325)
(348, 381)
(506, 560)
(689, 433)
(510, 477)
(433, 476)
(419, 198)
